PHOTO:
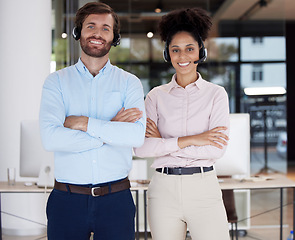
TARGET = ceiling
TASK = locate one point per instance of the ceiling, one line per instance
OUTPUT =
(138, 16)
(140, 6)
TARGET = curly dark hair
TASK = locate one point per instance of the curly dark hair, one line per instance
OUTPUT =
(96, 8)
(193, 20)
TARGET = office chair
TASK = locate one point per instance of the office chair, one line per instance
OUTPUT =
(230, 207)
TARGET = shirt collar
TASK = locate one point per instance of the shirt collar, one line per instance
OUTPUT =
(83, 69)
(173, 84)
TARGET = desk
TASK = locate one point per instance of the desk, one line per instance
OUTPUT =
(19, 187)
(275, 181)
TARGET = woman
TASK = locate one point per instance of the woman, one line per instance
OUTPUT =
(187, 129)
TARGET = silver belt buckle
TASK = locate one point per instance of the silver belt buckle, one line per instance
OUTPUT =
(92, 191)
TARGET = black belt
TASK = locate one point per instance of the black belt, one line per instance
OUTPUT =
(183, 171)
(94, 191)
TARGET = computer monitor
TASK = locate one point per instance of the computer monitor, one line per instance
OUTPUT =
(34, 160)
(236, 160)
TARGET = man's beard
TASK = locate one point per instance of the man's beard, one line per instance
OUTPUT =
(92, 51)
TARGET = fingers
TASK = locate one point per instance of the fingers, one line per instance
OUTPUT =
(218, 129)
(219, 140)
(121, 110)
(216, 138)
(76, 122)
(151, 123)
(132, 115)
(151, 126)
(152, 129)
(216, 145)
(216, 142)
(128, 115)
(118, 114)
(216, 132)
(221, 135)
(148, 134)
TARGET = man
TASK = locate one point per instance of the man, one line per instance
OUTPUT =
(92, 114)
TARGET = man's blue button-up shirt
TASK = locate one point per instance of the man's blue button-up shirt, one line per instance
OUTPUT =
(104, 152)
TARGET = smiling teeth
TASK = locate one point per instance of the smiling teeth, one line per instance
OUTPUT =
(183, 64)
(96, 42)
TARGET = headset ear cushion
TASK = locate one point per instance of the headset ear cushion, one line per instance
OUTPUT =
(76, 33)
(116, 40)
(166, 55)
(203, 55)
(202, 52)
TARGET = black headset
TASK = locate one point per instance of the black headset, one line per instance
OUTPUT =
(202, 52)
(76, 33)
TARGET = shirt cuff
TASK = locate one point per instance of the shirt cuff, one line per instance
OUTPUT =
(96, 143)
(93, 127)
(92, 130)
(171, 144)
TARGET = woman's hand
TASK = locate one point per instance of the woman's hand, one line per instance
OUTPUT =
(152, 130)
(213, 137)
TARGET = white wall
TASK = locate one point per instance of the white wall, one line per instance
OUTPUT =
(25, 50)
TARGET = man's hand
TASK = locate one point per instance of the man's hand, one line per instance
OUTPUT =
(130, 115)
(152, 130)
(76, 123)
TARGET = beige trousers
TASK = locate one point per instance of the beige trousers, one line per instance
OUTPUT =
(178, 202)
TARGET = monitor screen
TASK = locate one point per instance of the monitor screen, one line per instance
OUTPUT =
(236, 160)
(32, 153)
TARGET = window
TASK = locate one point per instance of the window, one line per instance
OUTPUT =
(257, 40)
(257, 73)
(271, 48)
(222, 49)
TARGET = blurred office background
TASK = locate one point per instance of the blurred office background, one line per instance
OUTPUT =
(250, 48)
(250, 52)
(247, 51)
